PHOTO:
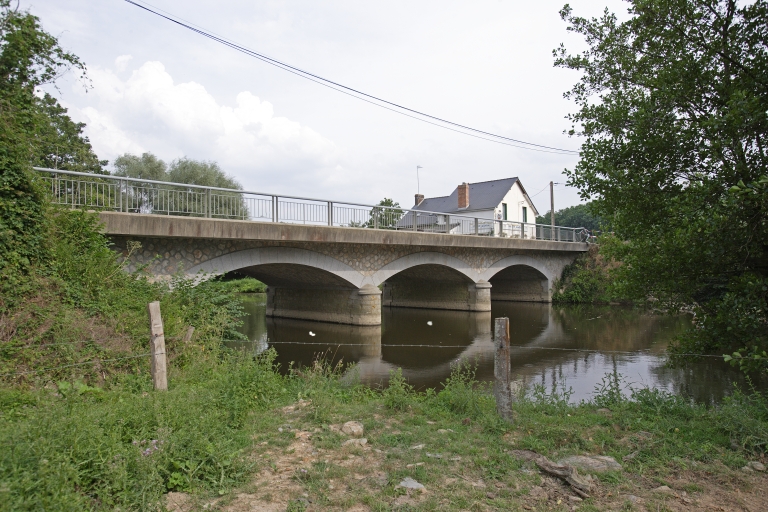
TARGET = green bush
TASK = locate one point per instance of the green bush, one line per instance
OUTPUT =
(86, 450)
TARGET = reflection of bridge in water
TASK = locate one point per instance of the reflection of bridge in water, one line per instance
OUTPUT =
(551, 345)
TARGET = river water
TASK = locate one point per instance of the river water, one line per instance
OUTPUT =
(572, 347)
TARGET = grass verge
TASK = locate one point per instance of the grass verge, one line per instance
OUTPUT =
(234, 434)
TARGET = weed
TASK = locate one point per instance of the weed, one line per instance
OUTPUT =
(398, 395)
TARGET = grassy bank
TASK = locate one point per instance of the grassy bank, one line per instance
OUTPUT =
(234, 434)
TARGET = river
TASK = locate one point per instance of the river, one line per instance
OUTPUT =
(570, 346)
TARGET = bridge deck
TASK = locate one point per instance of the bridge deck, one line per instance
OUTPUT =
(166, 226)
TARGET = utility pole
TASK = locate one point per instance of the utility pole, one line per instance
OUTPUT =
(552, 206)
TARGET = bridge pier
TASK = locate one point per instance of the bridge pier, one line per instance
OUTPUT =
(361, 306)
(428, 294)
(520, 283)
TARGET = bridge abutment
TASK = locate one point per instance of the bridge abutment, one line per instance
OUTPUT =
(338, 305)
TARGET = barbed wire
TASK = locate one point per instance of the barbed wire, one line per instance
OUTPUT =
(591, 351)
(42, 370)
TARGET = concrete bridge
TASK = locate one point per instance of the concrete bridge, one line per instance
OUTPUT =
(342, 274)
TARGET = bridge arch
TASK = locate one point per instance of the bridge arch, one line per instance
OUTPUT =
(432, 280)
(423, 258)
(521, 279)
(286, 256)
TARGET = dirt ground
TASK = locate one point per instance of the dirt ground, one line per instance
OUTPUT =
(320, 468)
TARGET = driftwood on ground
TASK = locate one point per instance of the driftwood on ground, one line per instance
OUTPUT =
(581, 485)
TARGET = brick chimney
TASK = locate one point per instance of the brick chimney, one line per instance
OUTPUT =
(463, 191)
(419, 199)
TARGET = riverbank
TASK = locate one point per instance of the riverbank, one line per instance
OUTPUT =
(82, 428)
(233, 434)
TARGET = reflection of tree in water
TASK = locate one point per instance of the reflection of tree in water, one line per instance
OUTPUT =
(706, 381)
(618, 328)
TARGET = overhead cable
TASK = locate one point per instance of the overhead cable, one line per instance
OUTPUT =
(355, 93)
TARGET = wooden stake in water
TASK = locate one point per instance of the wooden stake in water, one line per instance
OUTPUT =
(157, 347)
(502, 370)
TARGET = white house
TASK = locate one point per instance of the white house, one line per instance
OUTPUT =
(497, 200)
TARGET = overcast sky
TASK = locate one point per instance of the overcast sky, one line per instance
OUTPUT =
(484, 63)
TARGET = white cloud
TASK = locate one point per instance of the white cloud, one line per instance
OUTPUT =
(149, 112)
(122, 62)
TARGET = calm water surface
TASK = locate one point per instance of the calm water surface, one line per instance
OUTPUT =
(553, 345)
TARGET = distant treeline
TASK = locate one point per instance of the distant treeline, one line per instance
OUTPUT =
(579, 216)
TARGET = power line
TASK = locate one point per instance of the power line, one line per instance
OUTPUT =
(355, 93)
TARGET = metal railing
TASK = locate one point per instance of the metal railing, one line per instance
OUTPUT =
(131, 195)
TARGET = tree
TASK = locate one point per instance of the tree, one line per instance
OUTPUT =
(144, 167)
(148, 197)
(673, 110)
(29, 127)
(387, 217)
(579, 216)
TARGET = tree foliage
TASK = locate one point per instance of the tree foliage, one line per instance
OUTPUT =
(579, 216)
(33, 130)
(387, 217)
(149, 198)
(673, 111)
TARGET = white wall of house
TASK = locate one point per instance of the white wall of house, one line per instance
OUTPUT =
(515, 201)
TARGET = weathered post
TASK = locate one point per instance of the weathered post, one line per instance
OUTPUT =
(502, 370)
(157, 347)
(477, 226)
(188, 335)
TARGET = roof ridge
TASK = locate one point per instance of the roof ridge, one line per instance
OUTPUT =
(489, 181)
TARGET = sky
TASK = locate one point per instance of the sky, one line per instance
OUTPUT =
(157, 87)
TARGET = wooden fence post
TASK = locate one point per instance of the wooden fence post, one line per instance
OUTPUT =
(502, 370)
(157, 347)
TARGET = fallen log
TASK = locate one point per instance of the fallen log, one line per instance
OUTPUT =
(581, 485)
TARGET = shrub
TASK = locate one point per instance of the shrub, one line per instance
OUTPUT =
(398, 395)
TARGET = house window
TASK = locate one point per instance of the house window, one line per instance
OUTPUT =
(504, 211)
(525, 214)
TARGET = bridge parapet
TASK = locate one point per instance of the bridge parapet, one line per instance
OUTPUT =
(129, 195)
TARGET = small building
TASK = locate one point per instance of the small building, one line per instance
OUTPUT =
(491, 201)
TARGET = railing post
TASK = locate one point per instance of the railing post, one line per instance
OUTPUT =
(415, 221)
(558, 234)
(208, 203)
(120, 195)
(447, 223)
(477, 226)
(376, 218)
(274, 208)
(522, 230)
(501, 227)
(330, 213)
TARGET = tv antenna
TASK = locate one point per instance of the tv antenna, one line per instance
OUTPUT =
(417, 179)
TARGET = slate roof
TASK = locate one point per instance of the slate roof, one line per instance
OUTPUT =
(485, 195)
